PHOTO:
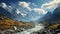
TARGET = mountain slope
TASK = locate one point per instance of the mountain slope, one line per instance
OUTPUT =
(6, 13)
(7, 23)
(51, 17)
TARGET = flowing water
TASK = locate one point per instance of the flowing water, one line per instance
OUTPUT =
(35, 29)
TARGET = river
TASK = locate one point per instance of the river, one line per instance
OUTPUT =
(35, 29)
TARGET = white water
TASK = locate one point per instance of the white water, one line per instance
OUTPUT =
(35, 29)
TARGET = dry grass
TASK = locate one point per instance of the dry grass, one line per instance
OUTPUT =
(8, 23)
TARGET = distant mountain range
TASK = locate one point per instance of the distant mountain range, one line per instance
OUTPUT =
(30, 16)
(51, 17)
(6, 13)
(11, 15)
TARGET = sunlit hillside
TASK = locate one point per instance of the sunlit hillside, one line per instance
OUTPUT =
(7, 23)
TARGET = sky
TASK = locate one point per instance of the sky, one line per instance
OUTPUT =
(29, 10)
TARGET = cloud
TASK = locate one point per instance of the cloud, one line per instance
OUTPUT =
(6, 7)
(51, 5)
(23, 8)
(23, 14)
(3, 5)
(40, 11)
(11, 8)
(43, 10)
(19, 12)
(25, 5)
(34, 4)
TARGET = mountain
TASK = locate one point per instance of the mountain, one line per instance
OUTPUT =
(45, 17)
(51, 17)
(48, 15)
(56, 15)
(6, 13)
(11, 15)
(8, 23)
(11, 26)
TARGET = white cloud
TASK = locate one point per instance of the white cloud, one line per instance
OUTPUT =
(17, 11)
(25, 5)
(34, 4)
(6, 7)
(3, 5)
(10, 8)
(47, 7)
(23, 14)
(40, 11)
(51, 5)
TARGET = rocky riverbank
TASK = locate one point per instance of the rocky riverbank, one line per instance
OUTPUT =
(51, 29)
